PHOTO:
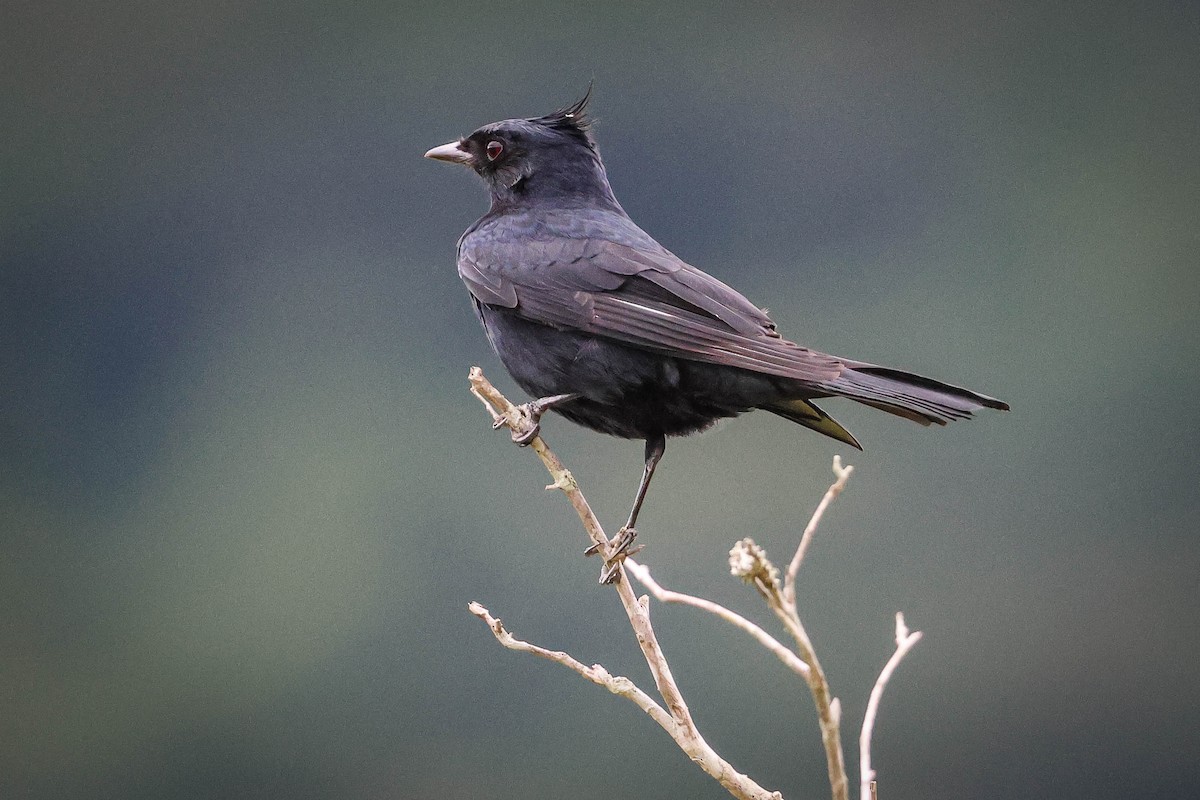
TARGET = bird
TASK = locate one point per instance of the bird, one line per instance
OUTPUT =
(609, 329)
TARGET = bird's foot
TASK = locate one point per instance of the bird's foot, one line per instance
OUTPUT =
(619, 549)
(526, 426)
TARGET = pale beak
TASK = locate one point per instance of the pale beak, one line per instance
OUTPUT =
(451, 151)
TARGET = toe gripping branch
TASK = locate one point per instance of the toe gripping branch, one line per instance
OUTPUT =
(619, 549)
(527, 425)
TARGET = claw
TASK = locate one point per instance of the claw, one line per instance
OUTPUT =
(620, 545)
(619, 549)
(611, 573)
(523, 439)
(532, 411)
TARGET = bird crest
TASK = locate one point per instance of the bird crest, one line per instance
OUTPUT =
(572, 120)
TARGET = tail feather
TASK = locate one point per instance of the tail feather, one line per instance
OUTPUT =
(904, 394)
(805, 413)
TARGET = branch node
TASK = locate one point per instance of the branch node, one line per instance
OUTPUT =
(564, 481)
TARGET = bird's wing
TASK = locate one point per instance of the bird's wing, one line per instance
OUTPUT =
(648, 299)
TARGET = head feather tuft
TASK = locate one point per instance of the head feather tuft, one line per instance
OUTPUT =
(572, 119)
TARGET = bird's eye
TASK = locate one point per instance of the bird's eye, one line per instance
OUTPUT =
(494, 149)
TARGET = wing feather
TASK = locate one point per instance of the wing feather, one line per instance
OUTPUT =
(648, 299)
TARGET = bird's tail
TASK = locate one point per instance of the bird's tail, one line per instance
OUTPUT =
(904, 394)
(807, 414)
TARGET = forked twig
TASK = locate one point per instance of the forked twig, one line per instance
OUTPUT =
(790, 660)
(843, 475)
(684, 730)
(905, 640)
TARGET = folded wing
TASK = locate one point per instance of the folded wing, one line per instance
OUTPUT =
(648, 299)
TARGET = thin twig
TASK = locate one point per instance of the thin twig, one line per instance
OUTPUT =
(904, 642)
(843, 475)
(790, 660)
(596, 674)
(685, 733)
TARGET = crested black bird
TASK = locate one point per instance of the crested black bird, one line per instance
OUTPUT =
(604, 325)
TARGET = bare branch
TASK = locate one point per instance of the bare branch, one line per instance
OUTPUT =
(596, 674)
(685, 733)
(642, 573)
(843, 475)
(754, 565)
(504, 412)
(904, 642)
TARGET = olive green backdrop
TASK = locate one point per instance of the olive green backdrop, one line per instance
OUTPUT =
(245, 496)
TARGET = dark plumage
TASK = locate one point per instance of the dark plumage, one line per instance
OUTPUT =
(578, 300)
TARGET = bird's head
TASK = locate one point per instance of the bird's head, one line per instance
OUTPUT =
(524, 161)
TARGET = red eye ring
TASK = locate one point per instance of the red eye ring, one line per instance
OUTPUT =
(494, 149)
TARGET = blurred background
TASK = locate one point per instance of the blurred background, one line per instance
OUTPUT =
(245, 496)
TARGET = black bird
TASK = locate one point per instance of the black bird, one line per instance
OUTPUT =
(614, 332)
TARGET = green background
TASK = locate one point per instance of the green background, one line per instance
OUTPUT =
(245, 496)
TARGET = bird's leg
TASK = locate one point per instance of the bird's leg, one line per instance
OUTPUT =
(621, 545)
(533, 410)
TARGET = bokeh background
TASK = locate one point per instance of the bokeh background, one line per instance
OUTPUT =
(245, 496)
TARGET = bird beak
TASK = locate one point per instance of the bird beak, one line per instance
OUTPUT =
(451, 151)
